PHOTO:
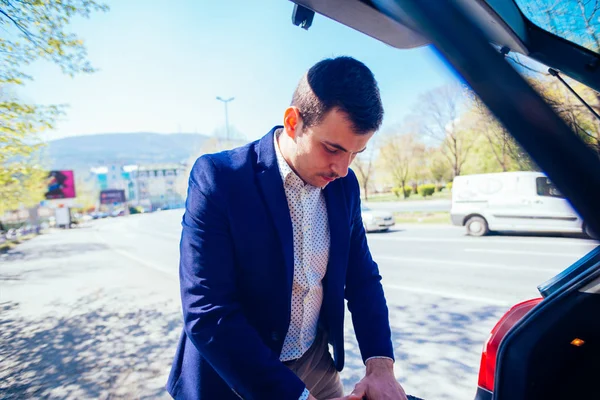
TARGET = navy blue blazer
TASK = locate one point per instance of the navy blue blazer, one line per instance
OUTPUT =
(236, 272)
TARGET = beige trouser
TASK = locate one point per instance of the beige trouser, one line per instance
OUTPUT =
(315, 368)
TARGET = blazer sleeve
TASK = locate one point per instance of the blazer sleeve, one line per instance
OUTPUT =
(213, 317)
(364, 292)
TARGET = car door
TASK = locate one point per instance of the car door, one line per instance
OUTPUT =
(510, 202)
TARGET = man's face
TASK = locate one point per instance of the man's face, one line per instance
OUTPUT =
(324, 152)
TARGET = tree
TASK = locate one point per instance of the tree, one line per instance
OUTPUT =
(505, 150)
(33, 30)
(439, 118)
(438, 166)
(22, 175)
(577, 21)
(398, 154)
(88, 191)
(572, 111)
(364, 166)
(574, 20)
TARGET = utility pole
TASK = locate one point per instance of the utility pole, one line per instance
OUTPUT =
(225, 101)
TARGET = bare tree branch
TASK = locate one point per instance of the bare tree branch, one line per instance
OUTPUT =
(515, 60)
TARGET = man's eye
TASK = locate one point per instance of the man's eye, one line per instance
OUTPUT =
(331, 150)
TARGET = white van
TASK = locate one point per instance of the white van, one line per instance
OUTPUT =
(511, 201)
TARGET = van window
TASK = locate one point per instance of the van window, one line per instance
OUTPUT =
(546, 188)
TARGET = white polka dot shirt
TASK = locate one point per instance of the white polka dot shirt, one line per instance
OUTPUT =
(310, 227)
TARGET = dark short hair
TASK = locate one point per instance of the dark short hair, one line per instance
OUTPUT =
(342, 83)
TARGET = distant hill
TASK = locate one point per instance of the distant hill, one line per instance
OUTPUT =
(82, 152)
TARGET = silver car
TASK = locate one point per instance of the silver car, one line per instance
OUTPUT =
(376, 220)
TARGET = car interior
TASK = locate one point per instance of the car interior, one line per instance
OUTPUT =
(553, 351)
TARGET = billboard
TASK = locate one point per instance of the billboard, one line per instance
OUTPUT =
(61, 185)
(111, 196)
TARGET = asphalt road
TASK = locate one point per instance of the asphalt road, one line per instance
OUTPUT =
(411, 205)
(94, 312)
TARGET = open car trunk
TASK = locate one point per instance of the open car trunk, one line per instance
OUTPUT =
(553, 352)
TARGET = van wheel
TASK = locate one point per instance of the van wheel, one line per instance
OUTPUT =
(477, 226)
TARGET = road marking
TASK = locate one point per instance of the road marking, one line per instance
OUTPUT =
(154, 232)
(522, 252)
(476, 265)
(137, 259)
(144, 262)
(474, 241)
(475, 299)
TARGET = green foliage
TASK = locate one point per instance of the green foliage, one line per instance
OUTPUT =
(22, 173)
(87, 192)
(426, 190)
(33, 30)
(449, 185)
(482, 159)
(579, 119)
(405, 193)
(136, 210)
(401, 155)
(38, 30)
(439, 166)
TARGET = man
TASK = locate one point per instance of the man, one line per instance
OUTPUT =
(272, 243)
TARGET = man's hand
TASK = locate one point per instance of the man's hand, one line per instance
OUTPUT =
(379, 383)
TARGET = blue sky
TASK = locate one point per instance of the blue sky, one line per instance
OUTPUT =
(162, 63)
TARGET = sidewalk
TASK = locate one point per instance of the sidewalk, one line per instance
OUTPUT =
(79, 321)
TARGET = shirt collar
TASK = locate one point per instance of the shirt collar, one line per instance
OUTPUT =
(284, 167)
(288, 176)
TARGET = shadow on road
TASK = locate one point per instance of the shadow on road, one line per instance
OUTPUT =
(434, 345)
(540, 234)
(43, 251)
(16, 268)
(99, 349)
(386, 231)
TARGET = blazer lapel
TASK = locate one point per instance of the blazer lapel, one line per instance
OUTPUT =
(271, 185)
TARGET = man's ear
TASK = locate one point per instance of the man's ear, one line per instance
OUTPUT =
(292, 121)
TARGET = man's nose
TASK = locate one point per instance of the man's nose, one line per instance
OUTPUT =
(341, 166)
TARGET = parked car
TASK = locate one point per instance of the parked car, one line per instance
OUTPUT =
(118, 213)
(512, 201)
(99, 215)
(13, 234)
(546, 348)
(376, 220)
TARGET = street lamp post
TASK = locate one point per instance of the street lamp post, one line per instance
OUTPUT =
(225, 101)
